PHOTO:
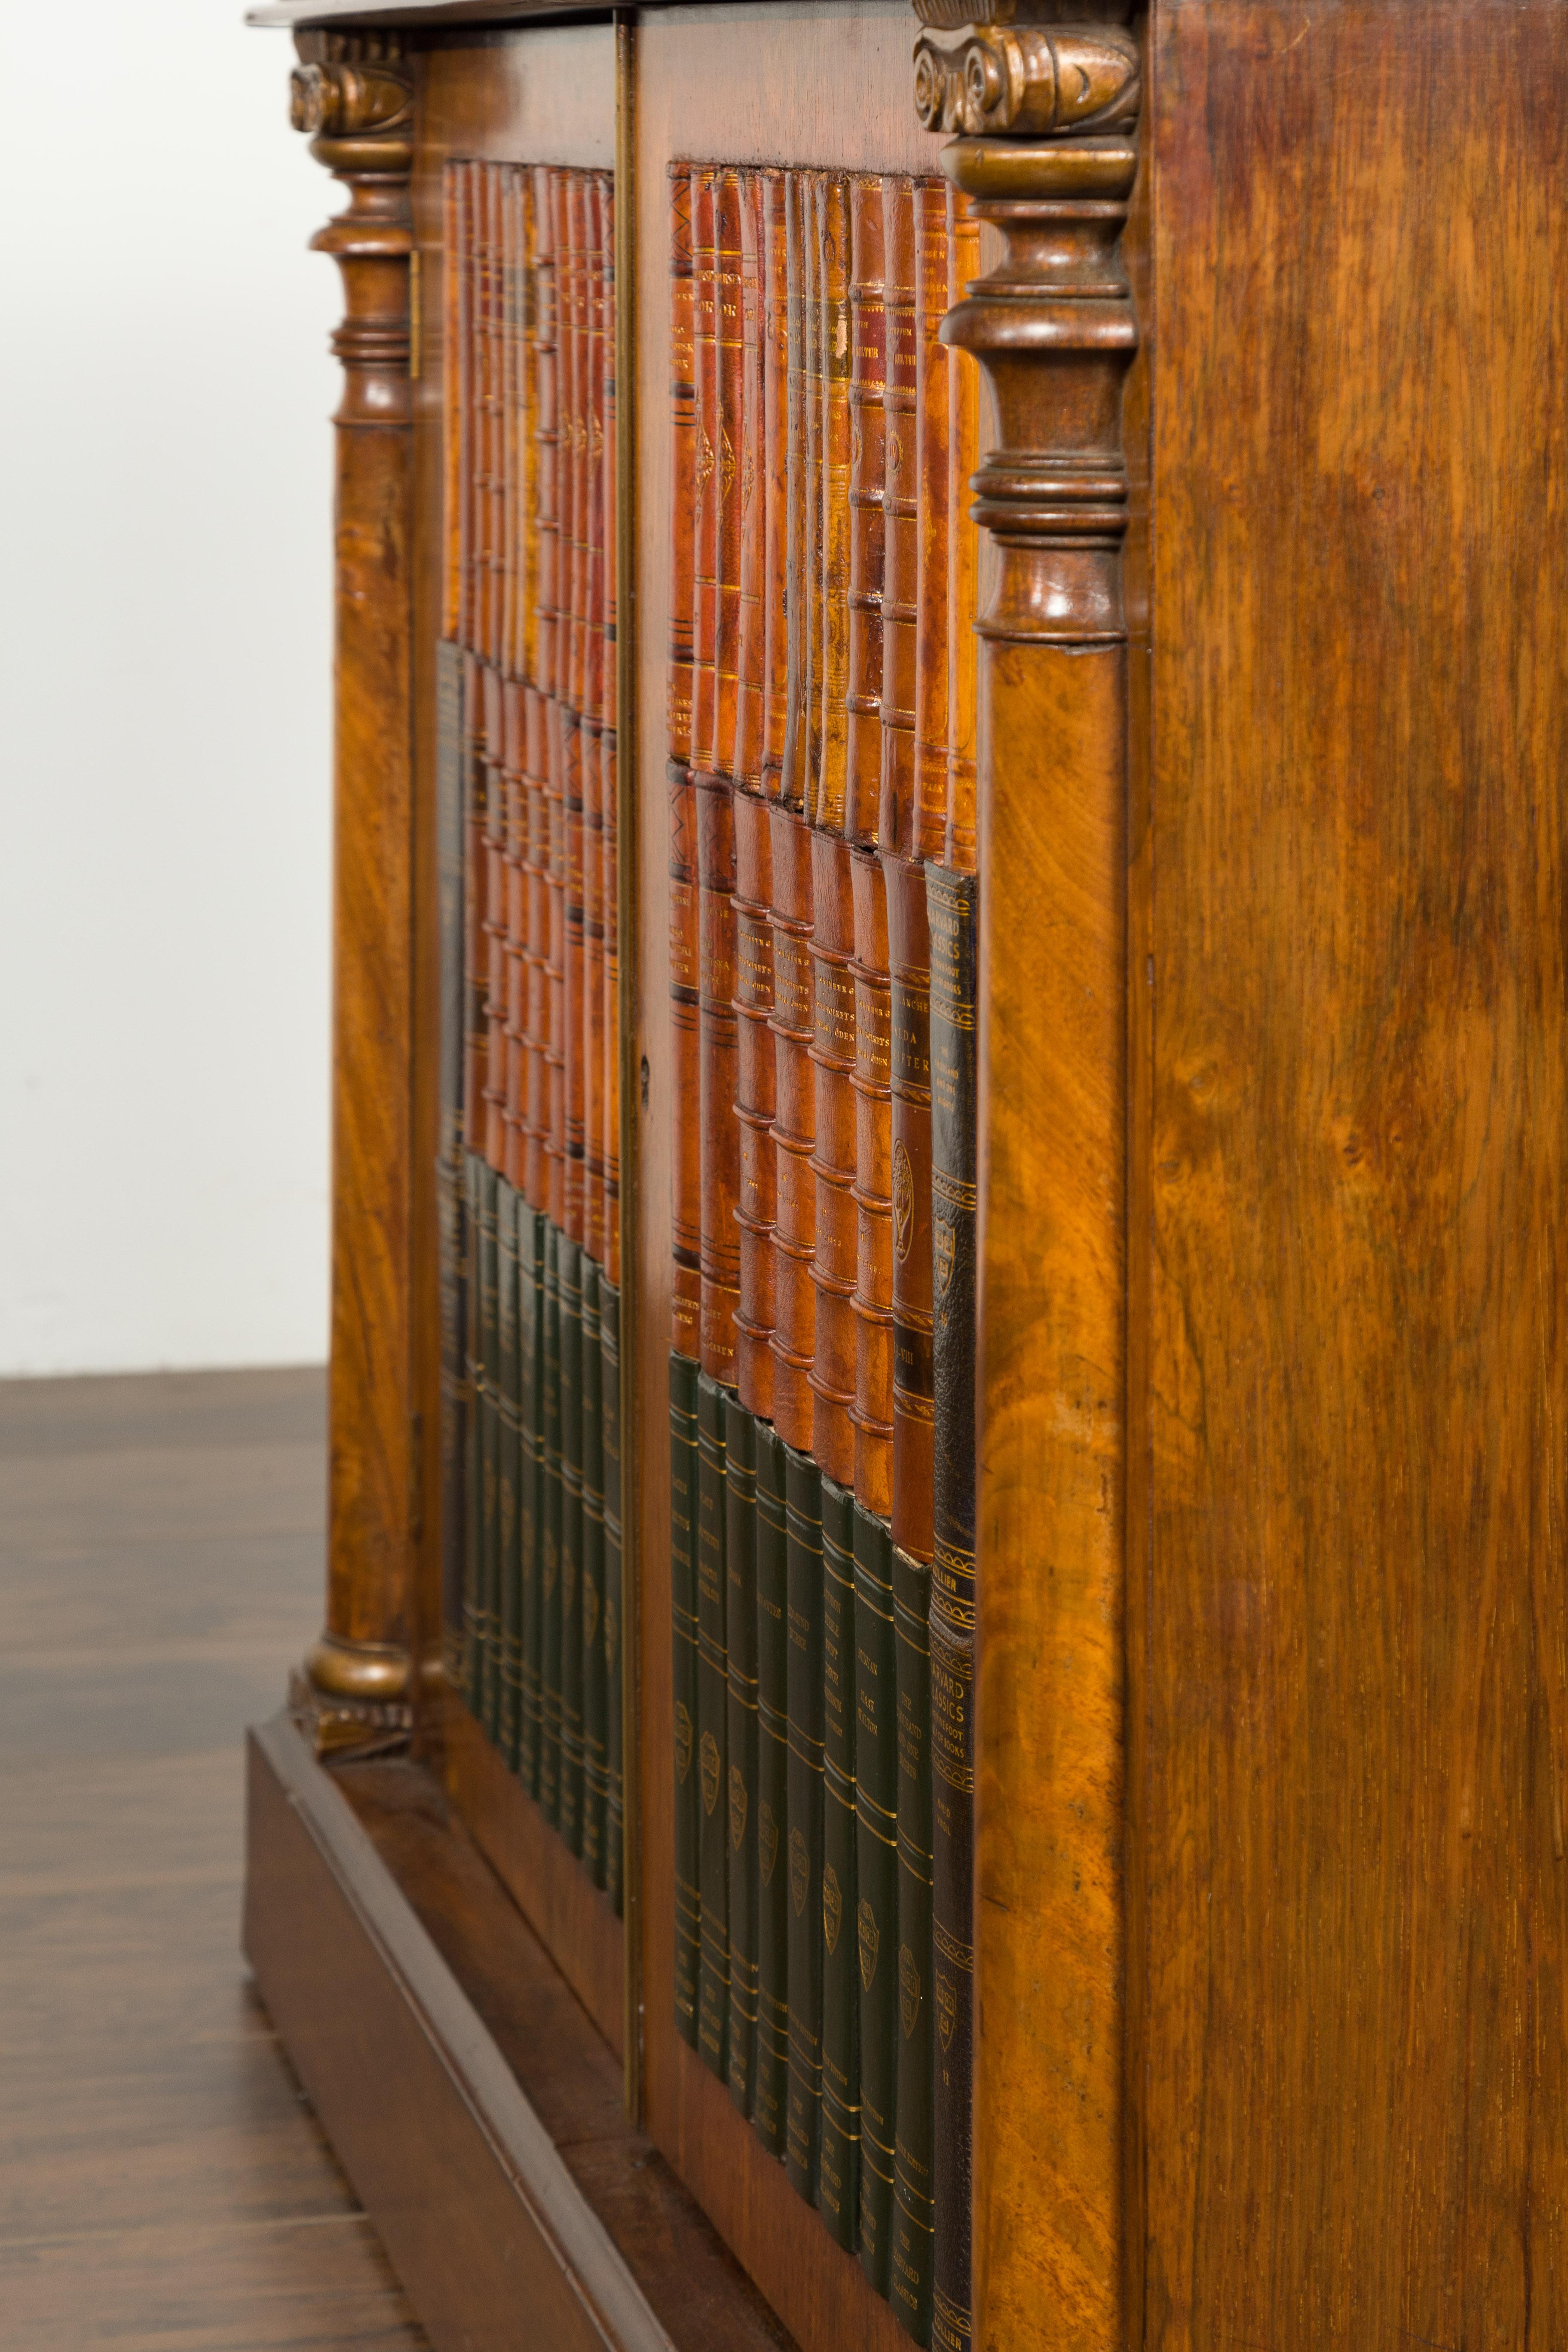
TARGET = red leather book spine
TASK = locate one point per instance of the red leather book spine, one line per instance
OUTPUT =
(934, 365)
(795, 1128)
(867, 465)
(546, 431)
(510, 312)
(720, 1128)
(494, 756)
(454, 396)
(908, 964)
(830, 199)
(750, 493)
(593, 1047)
(489, 389)
(811, 574)
(705, 477)
(792, 753)
(476, 951)
(959, 846)
(755, 1102)
(873, 1409)
(574, 749)
(832, 1053)
(686, 1166)
(515, 1106)
(556, 716)
(610, 1029)
(728, 437)
(774, 234)
(900, 520)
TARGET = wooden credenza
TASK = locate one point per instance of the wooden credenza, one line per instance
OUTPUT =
(1264, 1604)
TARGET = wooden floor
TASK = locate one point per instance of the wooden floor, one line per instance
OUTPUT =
(163, 2186)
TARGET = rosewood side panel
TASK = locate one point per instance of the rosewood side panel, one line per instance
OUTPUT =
(1355, 2089)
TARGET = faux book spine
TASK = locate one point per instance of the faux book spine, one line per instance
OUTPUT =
(739, 1794)
(839, 2162)
(712, 1731)
(951, 905)
(803, 2114)
(683, 1622)
(770, 2076)
(615, 1737)
(876, 1926)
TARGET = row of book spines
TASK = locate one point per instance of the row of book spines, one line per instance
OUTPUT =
(542, 1069)
(824, 562)
(540, 1664)
(530, 383)
(800, 1030)
(803, 1955)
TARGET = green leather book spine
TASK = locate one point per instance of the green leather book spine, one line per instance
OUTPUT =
(530, 1353)
(683, 1629)
(909, 2268)
(770, 2084)
(875, 1883)
(951, 908)
(550, 1627)
(450, 1170)
(569, 1265)
(473, 1449)
(615, 1724)
(509, 1414)
(489, 1686)
(713, 1732)
(740, 1792)
(595, 1761)
(839, 2162)
(803, 1546)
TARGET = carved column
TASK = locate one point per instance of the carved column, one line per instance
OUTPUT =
(1047, 113)
(356, 99)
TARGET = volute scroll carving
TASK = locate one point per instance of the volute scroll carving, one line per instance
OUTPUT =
(357, 106)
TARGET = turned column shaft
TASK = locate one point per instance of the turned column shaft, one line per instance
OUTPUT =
(361, 115)
(1047, 155)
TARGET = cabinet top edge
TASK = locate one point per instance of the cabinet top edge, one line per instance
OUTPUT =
(299, 16)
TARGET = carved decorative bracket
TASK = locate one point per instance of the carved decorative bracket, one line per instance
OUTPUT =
(358, 112)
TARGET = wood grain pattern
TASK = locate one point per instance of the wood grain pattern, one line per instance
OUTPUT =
(360, 114)
(550, 1887)
(1357, 2130)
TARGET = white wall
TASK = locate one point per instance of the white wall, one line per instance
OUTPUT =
(164, 648)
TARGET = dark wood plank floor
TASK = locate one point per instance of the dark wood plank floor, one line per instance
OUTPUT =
(163, 2186)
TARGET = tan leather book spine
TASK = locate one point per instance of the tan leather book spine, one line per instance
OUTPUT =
(593, 769)
(453, 400)
(493, 754)
(575, 344)
(831, 200)
(835, 1237)
(536, 870)
(728, 437)
(811, 557)
(490, 394)
(900, 574)
(774, 233)
(751, 491)
(795, 1128)
(755, 1102)
(720, 1132)
(515, 1105)
(683, 467)
(873, 1409)
(610, 1019)
(792, 757)
(686, 1162)
(705, 490)
(478, 480)
(546, 434)
(528, 436)
(958, 845)
(867, 463)
(933, 367)
(510, 309)
(476, 948)
(909, 965)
